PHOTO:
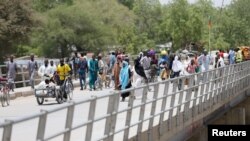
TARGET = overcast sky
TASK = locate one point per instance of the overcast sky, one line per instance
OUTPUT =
(217, 3)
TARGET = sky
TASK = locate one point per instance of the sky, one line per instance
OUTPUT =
(217, 3)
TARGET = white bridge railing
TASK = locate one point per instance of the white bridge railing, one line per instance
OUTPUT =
(166, 108)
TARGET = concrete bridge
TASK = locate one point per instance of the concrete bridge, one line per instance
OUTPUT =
(218, 96)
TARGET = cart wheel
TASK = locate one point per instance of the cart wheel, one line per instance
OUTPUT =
(59, 97)
(39, 100)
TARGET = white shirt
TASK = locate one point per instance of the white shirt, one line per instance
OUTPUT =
(177, 65)
(44, 70)
(52, 69)
(145, 62)
(220, 62)
(225, 55)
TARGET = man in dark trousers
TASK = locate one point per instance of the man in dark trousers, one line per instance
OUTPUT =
(75, 60)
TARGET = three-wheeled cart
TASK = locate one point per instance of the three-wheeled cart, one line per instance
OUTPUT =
(49, 92)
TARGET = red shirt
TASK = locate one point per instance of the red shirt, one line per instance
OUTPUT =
(221, 54)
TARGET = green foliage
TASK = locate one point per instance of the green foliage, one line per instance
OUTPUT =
(23, 50)
(45, 5)
(183, 23)
(127, 3)
(92, 26)
(130, 25)
(16, 20)
(220, 43)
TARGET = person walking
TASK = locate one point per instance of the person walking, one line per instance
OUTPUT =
(226, 57)
(12, 70)
(145, 62)
(191, 70)
(116, 72)
(75, 61)
(125, 79)
(239, 56)
(112, 60)
(206, 61)
(138, 77)
(93, 70)
(83, 69)
(101, 71)
(32, 67)
(177, 67)
(63, 70)
(44, 70)
(220, 62)
(52, 67)
(231, 56)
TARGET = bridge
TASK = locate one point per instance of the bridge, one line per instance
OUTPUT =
(163, 113)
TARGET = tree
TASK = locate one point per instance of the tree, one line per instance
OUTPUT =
(239, 15)
(45, 5)
(88, 25)
(183, 23)
(127, 3)
(16, 20)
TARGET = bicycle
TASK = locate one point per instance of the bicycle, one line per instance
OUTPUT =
(67, 87)
(5, 94)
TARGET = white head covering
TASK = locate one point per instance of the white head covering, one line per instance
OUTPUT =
(177, 65)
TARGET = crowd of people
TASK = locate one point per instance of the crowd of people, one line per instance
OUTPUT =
(116, 67)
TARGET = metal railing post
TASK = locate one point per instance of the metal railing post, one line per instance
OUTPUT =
(217, 86)
(230, 79)
(186, 111)
(208, 85)
(69, 121)
(172, 102)
(7, 131)
(163, 107)
(41, 126)
(211, 89)
(91, 116)
(202, 98)
(23, 77)
(142, 111)
(196, 99)
(152, 113)
(220, 89)
(233, 76)
(179, 116)
(111, 120)
(108, 119)
(224, 89)
(129, 115)
(114, 115)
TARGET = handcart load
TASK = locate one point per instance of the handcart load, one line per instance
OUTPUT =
(48, 89)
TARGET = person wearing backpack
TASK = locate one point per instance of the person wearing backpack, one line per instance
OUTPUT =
(82, 70)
